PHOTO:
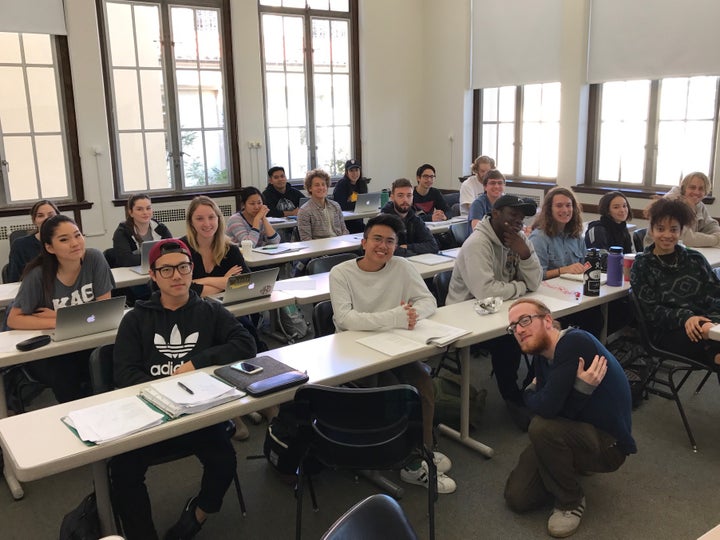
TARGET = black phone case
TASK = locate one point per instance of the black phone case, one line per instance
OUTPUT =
(33, 343)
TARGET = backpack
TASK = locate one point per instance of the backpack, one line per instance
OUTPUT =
(282, 446)
(637, 365)
(293, 323)
(447, 401)
(82, 523)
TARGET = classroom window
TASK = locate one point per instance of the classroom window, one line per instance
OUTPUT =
(169, 95)
(652, 133)
(520, 127)
(38, 145)
(311, 96)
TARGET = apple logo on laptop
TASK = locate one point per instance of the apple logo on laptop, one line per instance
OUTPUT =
(251, 286)
(91, 319)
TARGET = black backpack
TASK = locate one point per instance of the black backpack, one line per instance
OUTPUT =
(282, 446)
(83, 523)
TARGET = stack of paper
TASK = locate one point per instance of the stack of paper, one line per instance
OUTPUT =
(399, 341)
(188, 394)
(431, 259)
(113, 420)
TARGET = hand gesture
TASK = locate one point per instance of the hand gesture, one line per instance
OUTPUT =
(411, 314)
(574, 268)
(694, 327)
(595, 373)
(439, 215)
(512, 240)
(234, 271)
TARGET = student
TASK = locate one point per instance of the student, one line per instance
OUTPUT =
(498, 260)
(705, 231)
(346, 192)
(611, 229)
(64, 274)
(494, 184)
(581, 401)
(138, 227)
(376, 292)
(319, 217)
(251, 222)
(282, 199)
(202, 333)
(25, 249)
(472, 187)
(416, 238)
(428, 202)
(677, 289)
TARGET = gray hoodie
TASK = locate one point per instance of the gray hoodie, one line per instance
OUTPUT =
(705, 232)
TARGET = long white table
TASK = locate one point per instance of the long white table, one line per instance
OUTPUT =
(303, 250)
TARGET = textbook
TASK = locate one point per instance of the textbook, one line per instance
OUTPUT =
(430, 259)
(399, 341)
(188, 394)
(113, 420)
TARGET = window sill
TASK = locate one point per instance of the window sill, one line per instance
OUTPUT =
(24, 210)
(187, 196)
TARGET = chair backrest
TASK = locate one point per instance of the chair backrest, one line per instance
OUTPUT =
(101, 369)
(379, 517)
(360, 428)
(324, 264)
(19, 234)
(441, 284)
(109, 254)
(460, 232)
(322, 319)
(5, 272)
(639, 239)
(454, 211)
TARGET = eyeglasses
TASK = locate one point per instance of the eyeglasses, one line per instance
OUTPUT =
(390, 242)
(429, 176)
(523, 321)
(168, 271)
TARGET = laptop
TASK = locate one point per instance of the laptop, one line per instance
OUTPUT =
(145, 248)
(245, 287)
(90, 318)
(367, 203)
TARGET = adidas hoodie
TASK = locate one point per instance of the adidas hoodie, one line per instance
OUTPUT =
(153, 341)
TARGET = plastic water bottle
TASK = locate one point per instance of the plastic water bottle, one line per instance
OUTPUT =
(615, 266)
(591, 279)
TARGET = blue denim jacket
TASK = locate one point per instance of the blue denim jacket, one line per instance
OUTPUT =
(557, 251)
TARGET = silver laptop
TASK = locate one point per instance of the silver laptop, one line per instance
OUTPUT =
(303, 200)
(90, 318)
(145, 248)
(367, 203)
(245, 287)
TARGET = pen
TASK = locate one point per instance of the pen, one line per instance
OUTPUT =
(181, 385)
(270, 247)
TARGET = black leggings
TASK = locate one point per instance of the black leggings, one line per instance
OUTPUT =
(677, 341)
(68, 375)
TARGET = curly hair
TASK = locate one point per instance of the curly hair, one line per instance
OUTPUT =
(545, 222)
(663, 209)
(316, 173)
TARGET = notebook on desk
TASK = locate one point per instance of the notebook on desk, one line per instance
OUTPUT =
(367, 203)
(145, 248)
(581, 277)
(245, 287)
(90, 318)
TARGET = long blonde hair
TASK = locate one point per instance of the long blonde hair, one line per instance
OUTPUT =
(220, 243)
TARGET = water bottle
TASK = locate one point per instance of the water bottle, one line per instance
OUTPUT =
(591, 279)
(615, 266)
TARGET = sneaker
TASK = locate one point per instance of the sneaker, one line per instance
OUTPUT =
(420, 476)
(563, 523)
(241, 430)
(187, 526)
(442, 462)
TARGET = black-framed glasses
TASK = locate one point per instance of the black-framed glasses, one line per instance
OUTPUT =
(523, 321)
(428, 176)
(167, 271)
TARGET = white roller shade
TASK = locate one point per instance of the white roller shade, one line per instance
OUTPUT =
(516, 42)
(32, 16)
(653, 39)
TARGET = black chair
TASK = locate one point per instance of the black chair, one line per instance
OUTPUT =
(460, 232)
(109, 254)
(5, 273)
(665, 366)
(20, 234)
(322, 319)
(102, 380)
(379, 517)
(361, 428)
(325, 264)
(638, 239)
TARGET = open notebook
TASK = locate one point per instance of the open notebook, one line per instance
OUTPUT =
(581, 277)
(399, 341)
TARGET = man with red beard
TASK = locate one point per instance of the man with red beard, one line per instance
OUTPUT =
(582, 417)
(416, 238)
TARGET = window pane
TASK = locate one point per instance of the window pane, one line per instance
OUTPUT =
(298, 141)
(121, 34)
(43, 99)
(341, 97)
(506, 110)
(701, 98)
(10, 48)
(132, 161)
(158, 168)
(323, 100)
(151, 86)
(127, 101)
(183, 31)
(37, 49)
(216, 154)
(212, 98)
(51, 165)
(188, 98)
(339, 5)
(506, 148)
(541, 130)
(490, 105)
(193, 159)
(321, 45)
(147, 28)
(13, 103)
(316, 4)
(208, 35)
(21, 175)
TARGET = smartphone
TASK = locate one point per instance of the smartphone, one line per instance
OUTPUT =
(247, 368)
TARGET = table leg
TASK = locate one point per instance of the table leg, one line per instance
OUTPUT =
(102, 496)
(463, 436)
(12, 482)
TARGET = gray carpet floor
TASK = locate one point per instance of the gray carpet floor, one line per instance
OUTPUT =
(666, 491)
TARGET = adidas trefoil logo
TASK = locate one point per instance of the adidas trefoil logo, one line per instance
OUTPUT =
(175, 347)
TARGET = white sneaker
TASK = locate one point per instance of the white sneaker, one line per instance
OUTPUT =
(442, 462)
(563, 523)
(420, 477)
